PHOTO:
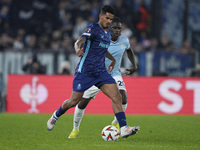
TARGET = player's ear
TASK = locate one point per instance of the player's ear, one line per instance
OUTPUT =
(100, 16)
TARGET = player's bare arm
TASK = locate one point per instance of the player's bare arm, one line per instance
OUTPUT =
(78, 46)
(131, 57)
(113, 61)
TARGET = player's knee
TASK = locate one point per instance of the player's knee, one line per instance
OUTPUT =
(124, 99)
(120, 96)
(124, 96)
(71, 102)
(83, 103)
(117, 98)
(74, 103)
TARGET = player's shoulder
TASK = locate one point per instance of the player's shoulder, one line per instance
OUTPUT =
(123, 39)
(93, 25)
(91, 29)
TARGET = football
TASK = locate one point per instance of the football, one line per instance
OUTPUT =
(110, 133)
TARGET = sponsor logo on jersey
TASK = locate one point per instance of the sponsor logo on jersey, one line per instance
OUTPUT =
(122, 46)
(104, 45)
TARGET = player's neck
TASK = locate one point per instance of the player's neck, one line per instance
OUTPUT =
(105, 29)
(114, 39)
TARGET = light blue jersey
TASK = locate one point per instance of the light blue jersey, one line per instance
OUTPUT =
(117, 50)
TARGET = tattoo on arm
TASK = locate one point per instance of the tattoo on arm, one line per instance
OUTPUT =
(79, 43)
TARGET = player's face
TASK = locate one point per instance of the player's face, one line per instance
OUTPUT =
(116, 28)
(105, 20)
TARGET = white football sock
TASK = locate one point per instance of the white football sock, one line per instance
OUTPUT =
(124, 106)
(78, 115)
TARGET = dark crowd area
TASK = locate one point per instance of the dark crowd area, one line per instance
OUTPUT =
(56, 24)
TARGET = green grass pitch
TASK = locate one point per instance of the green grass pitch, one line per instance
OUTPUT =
(28, 132)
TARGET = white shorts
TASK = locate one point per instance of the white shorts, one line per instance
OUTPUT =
(93, 91)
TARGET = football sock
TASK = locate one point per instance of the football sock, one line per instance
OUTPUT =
(121, 119)
(60, 112)
(124, 106)
(78, 115)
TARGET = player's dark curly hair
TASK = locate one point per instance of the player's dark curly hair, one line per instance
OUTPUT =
(107, 8)
(117, 19)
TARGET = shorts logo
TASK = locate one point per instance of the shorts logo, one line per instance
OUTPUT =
(79, 86)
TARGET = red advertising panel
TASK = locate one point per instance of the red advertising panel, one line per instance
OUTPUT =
(146, 95)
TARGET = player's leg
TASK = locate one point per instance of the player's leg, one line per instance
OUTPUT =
(124, 106)
(122, 90)
(78, 115)
(80, 108)
(79, 112)
(111, 90)
(73, 101)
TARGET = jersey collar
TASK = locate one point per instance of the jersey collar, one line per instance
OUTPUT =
(102, 28)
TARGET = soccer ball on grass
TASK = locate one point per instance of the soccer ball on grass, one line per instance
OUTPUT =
(110, 133)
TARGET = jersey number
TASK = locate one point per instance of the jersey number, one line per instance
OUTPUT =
(120, 83)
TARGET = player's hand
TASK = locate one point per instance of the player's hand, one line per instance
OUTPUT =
(80, 52)
(111, 66)
(130, 71)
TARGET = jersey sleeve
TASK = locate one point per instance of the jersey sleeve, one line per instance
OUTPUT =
(89, 32)
(127, 43)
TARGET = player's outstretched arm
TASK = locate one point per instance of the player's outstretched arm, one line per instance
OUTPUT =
(131, 57)
(113, 61)
(78, 46)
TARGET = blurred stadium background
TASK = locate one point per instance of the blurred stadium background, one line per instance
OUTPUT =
(164, 34)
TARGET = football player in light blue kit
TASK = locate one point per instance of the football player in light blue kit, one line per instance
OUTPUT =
(92, 47)
(119, 44)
